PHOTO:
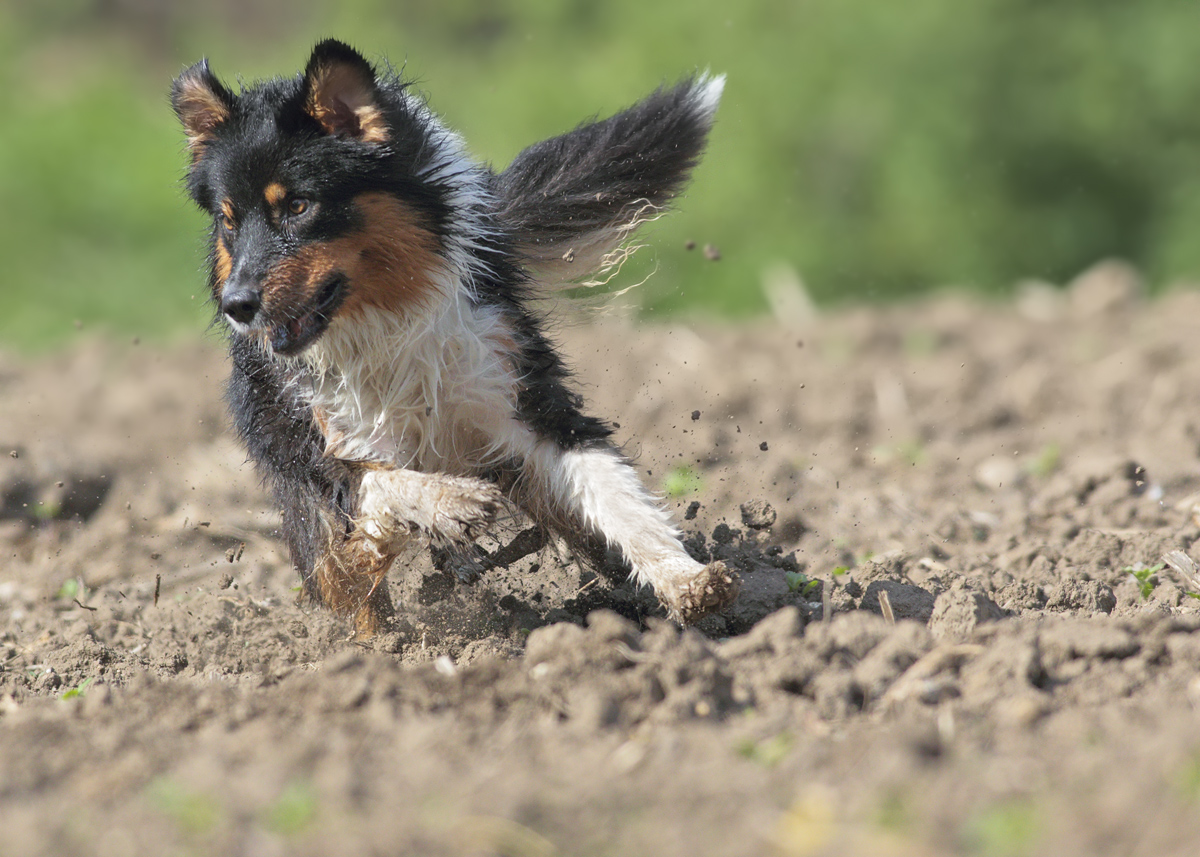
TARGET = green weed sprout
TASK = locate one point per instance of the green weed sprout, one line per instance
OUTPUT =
(1046, 461)
(1005, 830)
(195, 814)
(293, 811)
(911, 452)
(769, 752)
(1145, 578)
(681, 481)
(47, 511)
(72, 588)
(799, 582)
(79, 690)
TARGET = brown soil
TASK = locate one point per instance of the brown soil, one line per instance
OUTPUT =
(990, 473)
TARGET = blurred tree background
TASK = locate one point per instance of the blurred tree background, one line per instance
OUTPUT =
(877, 148)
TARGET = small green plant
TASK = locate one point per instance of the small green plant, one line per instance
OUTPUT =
(681, 481)
(78, 690)
(293, 811)
(1145, 578)
(1008, 829)
(46, 511)
(768, 752)
(72, 589)
(194, 813)
(1046, 461)
(911, 452)
(797, 581)
(1187, 780)
(893, 813)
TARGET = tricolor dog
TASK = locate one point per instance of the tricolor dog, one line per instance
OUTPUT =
(390, 377)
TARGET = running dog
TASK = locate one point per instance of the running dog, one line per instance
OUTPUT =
(390, 375)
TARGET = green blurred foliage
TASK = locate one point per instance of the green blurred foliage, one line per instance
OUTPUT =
(878, 148)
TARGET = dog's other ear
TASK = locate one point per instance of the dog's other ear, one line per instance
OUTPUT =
(340, 93)
(202, 103)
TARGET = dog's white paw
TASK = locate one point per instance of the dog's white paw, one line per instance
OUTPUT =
(712, 589)
(394, 504)
(463, 509)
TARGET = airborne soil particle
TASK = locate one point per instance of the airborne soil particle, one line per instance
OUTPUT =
(1002, 484)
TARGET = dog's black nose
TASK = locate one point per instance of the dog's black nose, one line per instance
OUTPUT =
(241, 305)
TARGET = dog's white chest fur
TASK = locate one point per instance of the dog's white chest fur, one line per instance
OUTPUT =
(434, 390)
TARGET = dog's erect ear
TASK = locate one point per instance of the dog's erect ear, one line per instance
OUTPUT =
(340, 93)
(201, 103)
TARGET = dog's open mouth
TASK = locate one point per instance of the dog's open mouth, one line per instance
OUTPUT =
(292, 337)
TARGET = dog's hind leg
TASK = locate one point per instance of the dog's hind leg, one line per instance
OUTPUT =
(466, 562)
(597, 487)
(351, 579)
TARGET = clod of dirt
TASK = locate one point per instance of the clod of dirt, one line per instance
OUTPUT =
(659, 675)
(1090, 596)
(959, 610)
(891, 658)
(775, 635)
(1071, 639)
(764, 590)
(908, 601)
(758, 514)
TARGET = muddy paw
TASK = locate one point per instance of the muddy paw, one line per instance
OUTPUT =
(463, 509)
(713, 589)
(448, 509)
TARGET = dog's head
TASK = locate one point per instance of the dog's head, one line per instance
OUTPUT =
(319, 192)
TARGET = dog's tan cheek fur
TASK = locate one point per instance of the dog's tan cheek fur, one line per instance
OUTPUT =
(390, 263)
(393, 259)
(222, 266)
(293, 283)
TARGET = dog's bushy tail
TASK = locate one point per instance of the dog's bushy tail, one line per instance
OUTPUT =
(572, 202)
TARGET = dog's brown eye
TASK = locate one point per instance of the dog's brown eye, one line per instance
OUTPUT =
(227, 223)
(297, 205)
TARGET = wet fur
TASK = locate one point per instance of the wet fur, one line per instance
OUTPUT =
(388, 376)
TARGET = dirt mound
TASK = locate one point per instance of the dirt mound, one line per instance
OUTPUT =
(956, 633)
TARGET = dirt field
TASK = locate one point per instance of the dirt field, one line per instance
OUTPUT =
(997, 472)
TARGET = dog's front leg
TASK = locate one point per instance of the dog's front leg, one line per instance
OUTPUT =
(597, 487)
(394, 504)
